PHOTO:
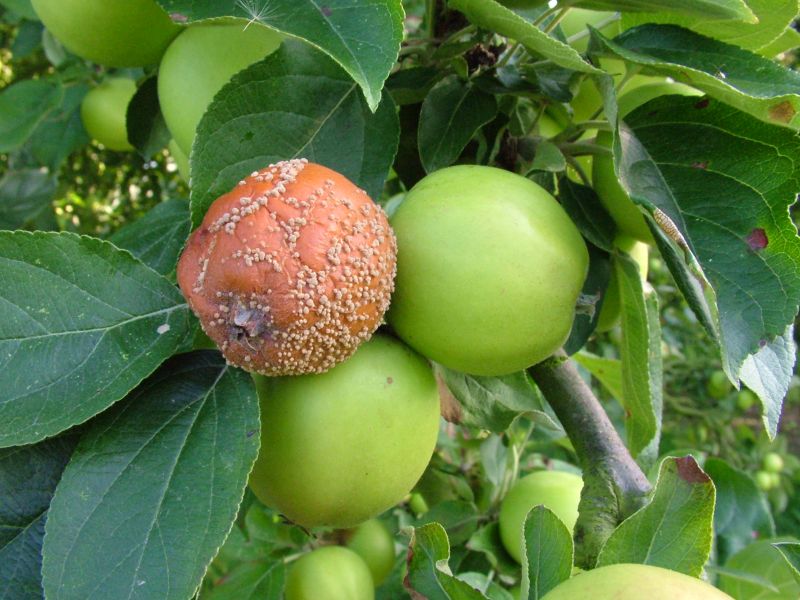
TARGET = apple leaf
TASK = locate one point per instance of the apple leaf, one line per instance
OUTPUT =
(548, 552)
(608, 371)
(674, 530)
(709, 9)
(295, 103)
(362, 37)
(741, 513)
(451, 114)
(791, 553)
(738, 77)
(640, 351)
(788, 40)
(744, 263)
(154, 485)
(28, 478)
(493, 16)
(251, 581)
(23, 106)
(428, 573)
(774, 17)
(491, 403)
(26, 198)
(81, 324)
(158, 237)
(147, 130)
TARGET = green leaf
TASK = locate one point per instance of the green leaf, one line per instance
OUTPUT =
(774, 17)
(23, 106)
(21, 7)
(363, 37)
(640, 351)
(768, 373)
(411, 85)
(751, 255)
(158, 237)
(548, 158)
(487, 584)
(428, 572)
(674, 530)
(740, 78)
(28, 478)
(548, 552)
(459, 519)
(710, 9)
(295, 103)
(25, 196)
(493, 402)
(251, 581)
(147, 130)
(587, 313)
(491, 15)
(451, 114)
(788, 40)
(81, 324)
(741, 512)
(486, 540)
(608, 371)
(791, 552)
(154, 485)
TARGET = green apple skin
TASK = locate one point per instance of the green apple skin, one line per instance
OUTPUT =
(762, 559)
(489, 267)
(610, 311)
(773, 462)
(746, 399)
(180, 158)
(330, 572)
(374, 543)
(718, 386)
(114, 33)
(625, 213)
(104, 110)
(200, 61)
(634, 582)
(557, 490)
(341, 447)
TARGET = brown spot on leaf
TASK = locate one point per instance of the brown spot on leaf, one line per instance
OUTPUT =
(700, 164)
(689, 471)
(757, 239)
(702, 103)
(326, 10)
(450, 408)
(389, 381)
(178, 17)
(783, 112)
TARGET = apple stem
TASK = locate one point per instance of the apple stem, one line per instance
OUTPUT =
(614, 486)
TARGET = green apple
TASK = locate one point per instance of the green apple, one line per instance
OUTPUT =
(610, 311)
(330, 572)
(626, 214)
(104, 110)
(115, 33)
(180, 158)
(634, 582)
(200, 61)
(557, 490)
(772, 462)
(718, 386)
(762, 559)
(489, 268)
(764, 481)
(746, 399)
(341, 447)
(374, 543)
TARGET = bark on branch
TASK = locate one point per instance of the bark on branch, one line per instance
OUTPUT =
(614, 485)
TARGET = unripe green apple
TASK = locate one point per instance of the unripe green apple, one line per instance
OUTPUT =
(634, 582)
(489, 268)
(610, 311)
(374, 543)
(115, 33)
(330, 572)
(761, 558)
(764, 481)
(773, 462)
(104, 109)
(557, 490)
(625, 213)
(180, 158)
(200, 61)
(746, 399)
(718, 386)
(341, 447)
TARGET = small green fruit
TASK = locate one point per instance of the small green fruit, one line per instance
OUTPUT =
(374, 543)
(611, 309)
(557, 490)
(764, 481)
(115, 33)
(104, 111)
(332, 573)
(180, 158)
(718, 386)
(634, 582)
(772, 462)
(746, 399)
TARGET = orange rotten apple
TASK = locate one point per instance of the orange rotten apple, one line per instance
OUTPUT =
(291, 270)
